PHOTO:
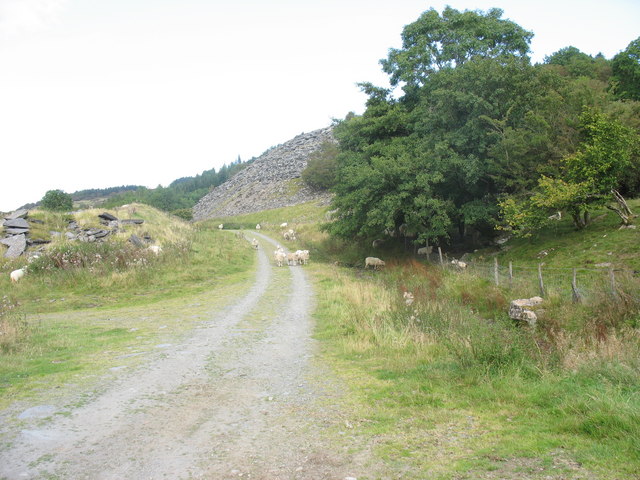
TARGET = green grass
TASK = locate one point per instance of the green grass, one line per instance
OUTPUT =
(449, 393)
(73, 316)
(304, 213)
(602, 241)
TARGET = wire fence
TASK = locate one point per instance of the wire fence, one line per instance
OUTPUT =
(576, 284)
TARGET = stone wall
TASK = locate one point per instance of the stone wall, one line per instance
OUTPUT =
(271, 181)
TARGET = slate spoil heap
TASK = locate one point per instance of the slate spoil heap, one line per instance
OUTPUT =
(267, 182)
(16, 229)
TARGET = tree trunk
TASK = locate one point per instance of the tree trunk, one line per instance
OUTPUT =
(622, 210)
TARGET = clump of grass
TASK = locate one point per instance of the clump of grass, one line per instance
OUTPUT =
(14, 328)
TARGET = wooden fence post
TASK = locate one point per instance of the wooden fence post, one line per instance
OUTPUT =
(574, 289)
(540, 280)
(495, 271)
(440, 254)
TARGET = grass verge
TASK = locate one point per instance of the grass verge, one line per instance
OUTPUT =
(444, 390)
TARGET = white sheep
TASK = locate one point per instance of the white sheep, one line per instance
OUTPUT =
(258, 227)
(373, 262)
(254, 243)
(280, 257)
(221, 226)
(303, 256)
(289, 234)
(556, 216)
(16, 275)
(292, 259)
(157, 249)
(284, 225)
(425, 250)
(459, 264)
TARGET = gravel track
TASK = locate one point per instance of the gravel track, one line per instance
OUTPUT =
(241, 397)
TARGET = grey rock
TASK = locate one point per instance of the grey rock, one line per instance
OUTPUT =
(22, 213)
(132, 221)
(107, 216)
(69, 235)
(16, 231)
(523, 310)
(37, 241)
(136, 240)
(17, 245)
(16, 223)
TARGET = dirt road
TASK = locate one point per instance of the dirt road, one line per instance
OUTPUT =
(241, 397)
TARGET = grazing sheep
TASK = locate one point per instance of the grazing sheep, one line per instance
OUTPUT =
(16, 275)
(425, 250)
(459, 264)
(289, 234)
(221, 226)
(254, 243)
(303, 256)
(292, 259)
(556, 216)
(284, 225)
(258, 227)
(157, 249)
(280, 257)
(374, 262)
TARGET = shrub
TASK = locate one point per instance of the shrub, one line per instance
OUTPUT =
(56, 200)
(321, 167)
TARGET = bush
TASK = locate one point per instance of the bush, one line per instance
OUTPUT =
(56, 200)
(321, 167)
(184, 213)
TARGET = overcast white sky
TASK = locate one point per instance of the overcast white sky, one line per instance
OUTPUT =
(97, 93)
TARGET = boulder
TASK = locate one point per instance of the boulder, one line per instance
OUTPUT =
(22, 213)
(136, 241)
(17, 245)
(37, 241)
(16, 223)
(107, 216)
(16, 231)
(523, 310)
(132, 221)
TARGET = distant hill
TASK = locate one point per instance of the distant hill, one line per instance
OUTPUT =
(272, 180)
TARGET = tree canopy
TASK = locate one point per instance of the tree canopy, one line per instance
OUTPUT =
(477, 128)
(57, 200)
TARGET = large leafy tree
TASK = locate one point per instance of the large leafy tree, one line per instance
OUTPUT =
(475, 122)
(589, 177)
(435, 41)
(626, 71)
(57, 200)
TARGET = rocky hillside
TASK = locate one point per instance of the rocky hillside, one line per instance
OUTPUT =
(271, 181)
